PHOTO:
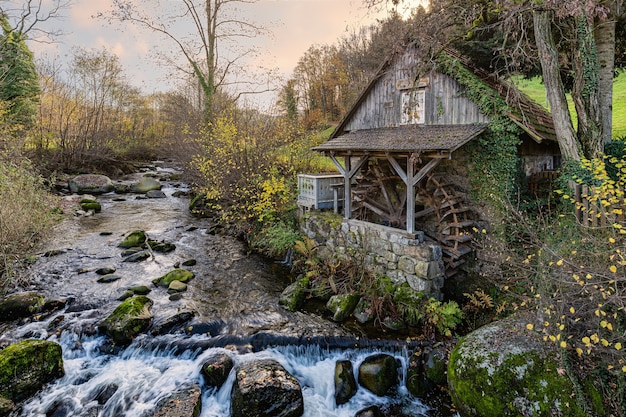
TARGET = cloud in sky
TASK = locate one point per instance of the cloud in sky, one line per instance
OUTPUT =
(295, 25)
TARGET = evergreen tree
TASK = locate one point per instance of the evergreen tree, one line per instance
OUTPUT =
(19, 84)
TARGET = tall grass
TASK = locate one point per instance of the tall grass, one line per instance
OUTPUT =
(25, 212)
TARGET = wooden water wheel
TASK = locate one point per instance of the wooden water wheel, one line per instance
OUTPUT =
(379, 196)
(454, 223)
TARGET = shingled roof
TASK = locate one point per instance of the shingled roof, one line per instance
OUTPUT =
(440, 138)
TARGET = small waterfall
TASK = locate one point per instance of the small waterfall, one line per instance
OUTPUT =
(133, 381)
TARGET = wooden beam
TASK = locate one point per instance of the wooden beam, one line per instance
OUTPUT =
(396, 166)
(410, 193)
(337, 164)
(424, 171)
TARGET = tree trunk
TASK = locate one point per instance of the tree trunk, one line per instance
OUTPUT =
(555, 91)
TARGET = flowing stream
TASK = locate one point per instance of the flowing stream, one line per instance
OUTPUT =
(234, 298)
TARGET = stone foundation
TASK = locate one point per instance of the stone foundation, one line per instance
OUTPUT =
(401, 256)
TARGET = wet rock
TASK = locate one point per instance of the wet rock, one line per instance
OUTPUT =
(128, 320)
(53, 305)
(216, 368)
(505, 369)
(140, 290)
(163, 247)
(125, 295)
(294, 295)
(363, 312)
(101, 394)
(177, 274)
(176, 297)
(27, 366)
(90, 184)
(106, 233)
(373, 411)
(77, 308)
(6, 406)
(137, 256)
(87, 204)
(436, 366)
(172, 323)
(185, 402)
(379, 373)
(345, 384)
(342, 305)
(54, 252)
(180, 193)
(155, 194)
(393, 323)
(20, 305)
(176, 287)
(416, 382)
(134, 239)
(146, 184)
(105, 270)
(131, 251)
(264, 388)
(105, 279)
(62, 408)
(121, 188)
(189, 262)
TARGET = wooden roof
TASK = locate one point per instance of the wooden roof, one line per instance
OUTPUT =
(413, 138)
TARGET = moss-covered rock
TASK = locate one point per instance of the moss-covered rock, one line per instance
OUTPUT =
(379, 373)
(128, 320)
(216, 368)
(342, 305)
(6, 406)
(134, 239)
(177, 274)
(27, 366)
(345, 384)
(163, 247)
(20, 305)
(176, 287)
(294, 295)
(186, 401)
(504, 369)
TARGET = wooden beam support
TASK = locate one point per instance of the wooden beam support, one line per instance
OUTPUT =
(410, 193)
(425, 171)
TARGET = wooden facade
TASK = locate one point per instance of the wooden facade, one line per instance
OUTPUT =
(390, 147)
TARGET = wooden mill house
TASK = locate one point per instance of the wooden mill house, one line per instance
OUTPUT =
(402, 154)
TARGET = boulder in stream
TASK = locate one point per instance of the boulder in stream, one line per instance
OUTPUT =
(134, 239)
(139, 256)
(88, 204)
(90, 184)
(25, 367)
(372, 411)
(294, 295)
(144, 185)
(20, 305)
(342, 305)
(177, 274)
(216, 368)
(345, 384)
(128, 320)
(173, 323)
(176, 287)
(105, 279)
(379, 373)
(264, 388)
(184, 402)
(155, 194)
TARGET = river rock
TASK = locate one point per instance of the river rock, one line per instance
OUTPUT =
(379, 373)
(363, 312)
(163, 247)
(134, 239)
(105, 279)
(128, 320)
(373, 411)
(6, 406)
(102, 393)
(342, 305)
(155, 194)
(20, 305)
(504, 369)
(142, 255)
(140, 290)
(189, 262)
(146, 184)
(184, 402)
(294, 295)
(177, 274)
(62, 408)
(215, 369)
(87, 204)
(25, 367)
(90, 184)
(105, 270)
(176, 287)
(345, 384)
(264, 388)
(172, 323)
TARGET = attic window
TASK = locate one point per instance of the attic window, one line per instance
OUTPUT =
(413, 105)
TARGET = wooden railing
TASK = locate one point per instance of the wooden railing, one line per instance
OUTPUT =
(592, 212)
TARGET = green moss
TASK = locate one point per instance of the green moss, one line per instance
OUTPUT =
(294, 295)
(128, 319)
(178, 274)
(134, 239)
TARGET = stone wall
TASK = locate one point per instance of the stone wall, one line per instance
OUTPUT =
(401, 256)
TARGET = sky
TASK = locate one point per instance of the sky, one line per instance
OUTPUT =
(294, 26)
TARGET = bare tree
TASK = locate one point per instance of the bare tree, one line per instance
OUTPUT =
(27, 17)
(212, 53)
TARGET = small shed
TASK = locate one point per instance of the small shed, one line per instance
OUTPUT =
(400, 149)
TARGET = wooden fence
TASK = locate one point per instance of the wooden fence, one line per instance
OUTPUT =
(590, 210)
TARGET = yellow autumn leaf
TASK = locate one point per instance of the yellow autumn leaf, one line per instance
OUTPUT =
(613, 268)
(560, 262)
(586, 340)
(579, 351)
(529, 326)
(618, 346)
(563, 344)
(572, 310)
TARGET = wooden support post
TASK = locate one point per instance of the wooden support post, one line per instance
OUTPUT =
(410, 194)
(348, 171)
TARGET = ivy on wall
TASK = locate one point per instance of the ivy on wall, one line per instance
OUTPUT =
(494, 157)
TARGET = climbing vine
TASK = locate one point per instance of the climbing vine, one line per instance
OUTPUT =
(494, 154)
